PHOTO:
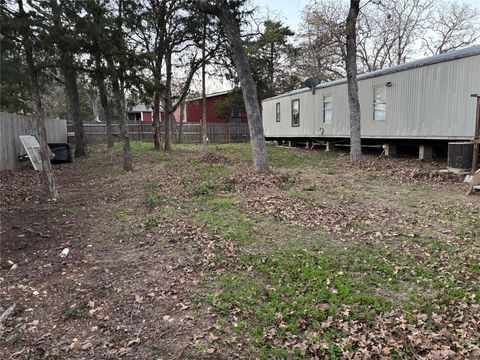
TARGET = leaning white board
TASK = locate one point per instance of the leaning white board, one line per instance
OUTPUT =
(32, 147)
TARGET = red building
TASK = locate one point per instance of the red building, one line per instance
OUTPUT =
(193, 111)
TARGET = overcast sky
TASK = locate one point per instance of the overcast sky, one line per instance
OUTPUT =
(287, 10)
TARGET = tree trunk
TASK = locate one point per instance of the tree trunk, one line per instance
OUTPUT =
(173, 124)
(182, 119)
(156, 119)
(122, 121)
(204, 94)
(167, 141)
(70, 75)
(271, 69)
(168, 102)
(351, 68)
(38, 108)
(102, 93)
(249, 90)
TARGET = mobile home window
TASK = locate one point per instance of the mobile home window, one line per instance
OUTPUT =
(277, 112)
(379, 103)
(327, 109)
(296, 112)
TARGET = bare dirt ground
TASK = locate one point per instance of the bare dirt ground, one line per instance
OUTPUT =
(160, 258)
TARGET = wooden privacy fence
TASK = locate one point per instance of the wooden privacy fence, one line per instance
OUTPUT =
(218, 133)
(12, 126)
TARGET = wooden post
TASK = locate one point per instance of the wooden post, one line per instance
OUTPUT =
(476, 140)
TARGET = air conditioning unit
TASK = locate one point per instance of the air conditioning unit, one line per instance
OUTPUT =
(460, 155)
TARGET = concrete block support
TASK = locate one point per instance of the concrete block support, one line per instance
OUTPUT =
(390, 149)
(329, 145)
(425, 152)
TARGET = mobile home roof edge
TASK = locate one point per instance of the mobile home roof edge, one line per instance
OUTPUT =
(435, 59)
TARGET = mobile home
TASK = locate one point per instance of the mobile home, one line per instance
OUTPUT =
(428, 99)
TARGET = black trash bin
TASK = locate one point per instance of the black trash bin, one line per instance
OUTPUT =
(62, 151)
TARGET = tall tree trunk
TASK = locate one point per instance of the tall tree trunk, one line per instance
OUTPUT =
(182, 119)
(204, 93)
(156, 119)
(351, 68)
(173, 124)
(168, 102)
(102, 93)
(38, 110)
(70, 75)
(271, 69)
(249, 89)
(117, 75)
(167, 141)
(122, 120)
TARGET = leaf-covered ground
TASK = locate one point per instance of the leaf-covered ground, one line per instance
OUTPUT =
(194, 256)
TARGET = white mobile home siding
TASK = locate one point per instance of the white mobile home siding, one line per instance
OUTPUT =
(431, 101)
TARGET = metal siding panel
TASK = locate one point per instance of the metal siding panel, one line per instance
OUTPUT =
(427, 102)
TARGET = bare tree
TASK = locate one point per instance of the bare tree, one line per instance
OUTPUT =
(388, 33)
(204, 93)
(150, 35)
(451, 26)
(232, 31)
(27, 42)
(407, 21)
(375, 40)
(321, 52)
(351, 68)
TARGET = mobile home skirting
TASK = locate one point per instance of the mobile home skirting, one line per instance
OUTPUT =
(424, 99)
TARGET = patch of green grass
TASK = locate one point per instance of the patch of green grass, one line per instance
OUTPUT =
(241, 151)
(153, 200)
(328, 171)
(156, 198)
(206, 189)
(295, 291)
(231, 222)
(108, 175)
(222, 202)
(120, 214)
(209, 172)
(150, 223)
(119, 234)
(70, 313)
(294, 194)
(203, 189)
(279, 156)
(129, 247)
(169, 211)
(137, 147)
(284, 157)
(292, 291)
